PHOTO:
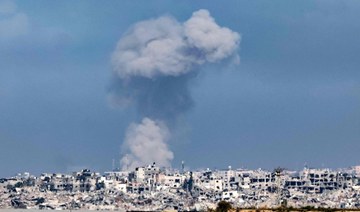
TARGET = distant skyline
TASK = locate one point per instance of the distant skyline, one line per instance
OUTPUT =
(293, 99)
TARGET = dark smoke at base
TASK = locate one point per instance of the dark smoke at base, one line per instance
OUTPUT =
(154, 62)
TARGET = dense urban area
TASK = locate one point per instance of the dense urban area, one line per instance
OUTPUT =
(154, 188)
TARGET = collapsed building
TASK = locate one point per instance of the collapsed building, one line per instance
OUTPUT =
(154, 188)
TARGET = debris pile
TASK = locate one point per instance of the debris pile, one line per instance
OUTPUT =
(153, 188)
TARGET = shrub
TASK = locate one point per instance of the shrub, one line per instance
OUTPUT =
(223, 206)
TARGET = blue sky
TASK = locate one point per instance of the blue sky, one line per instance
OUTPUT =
(293, 99)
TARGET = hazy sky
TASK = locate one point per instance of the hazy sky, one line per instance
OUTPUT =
(293, 99)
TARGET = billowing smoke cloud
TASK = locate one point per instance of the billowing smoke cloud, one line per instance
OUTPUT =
(153, 64)
(165, 47)
(147, 142)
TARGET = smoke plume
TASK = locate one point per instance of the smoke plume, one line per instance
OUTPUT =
(147, 142)
(153, 64)
(165, 47)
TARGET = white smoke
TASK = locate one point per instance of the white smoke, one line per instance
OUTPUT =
(165, 47)
(153, 64)
(146, 143)
(215, 42)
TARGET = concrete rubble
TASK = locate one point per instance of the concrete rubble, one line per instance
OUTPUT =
(153, 188)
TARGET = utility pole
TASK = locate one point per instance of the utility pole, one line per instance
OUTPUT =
(182, 167)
